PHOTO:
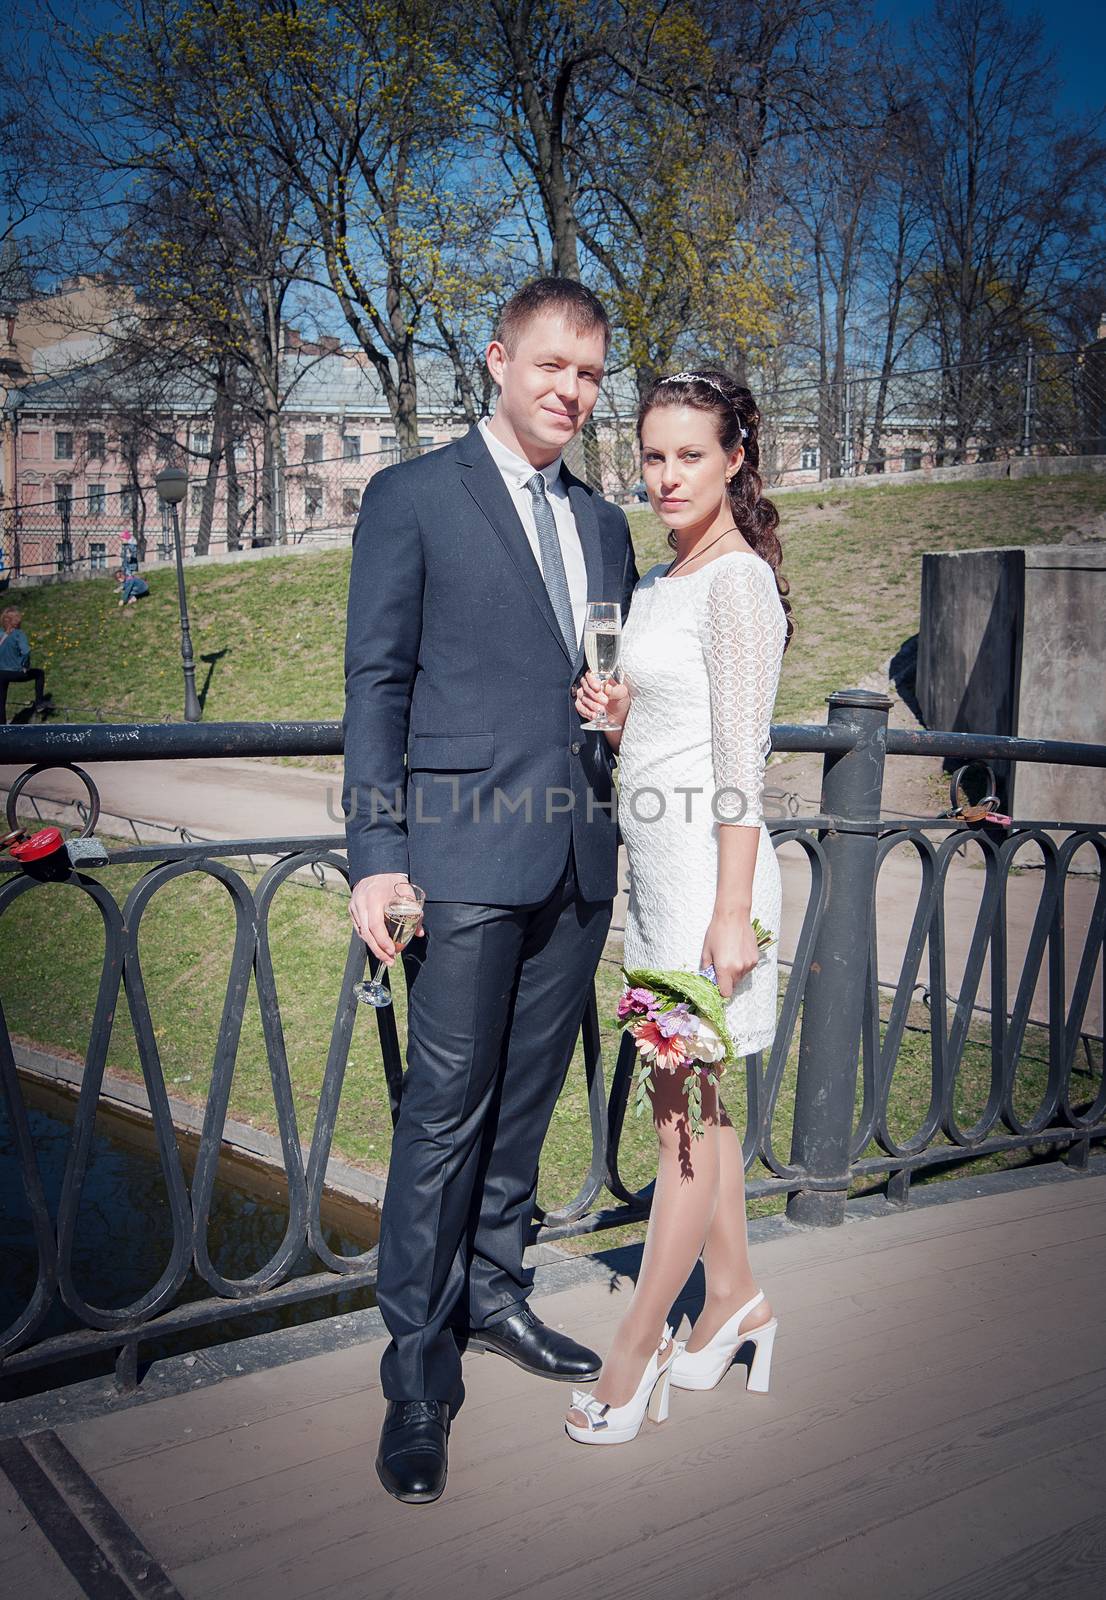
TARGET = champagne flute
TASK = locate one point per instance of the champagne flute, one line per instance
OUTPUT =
(602, 642)
(402, 915)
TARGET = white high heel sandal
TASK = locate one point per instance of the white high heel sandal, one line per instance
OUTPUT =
(703, 1369)
(619, 1424)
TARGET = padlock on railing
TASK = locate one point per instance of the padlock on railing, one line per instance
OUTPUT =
(46, 855)
(43, 856)
(983, 810)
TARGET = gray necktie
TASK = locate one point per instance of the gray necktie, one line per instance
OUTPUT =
(552, 562)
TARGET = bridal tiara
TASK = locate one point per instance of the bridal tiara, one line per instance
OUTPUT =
(701, 377)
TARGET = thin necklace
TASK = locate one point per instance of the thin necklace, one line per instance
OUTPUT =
(676, 565)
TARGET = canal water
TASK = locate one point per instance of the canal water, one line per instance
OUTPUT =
(124, 1236)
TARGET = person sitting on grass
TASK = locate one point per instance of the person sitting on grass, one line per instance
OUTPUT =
(15, 662)
(134, 587)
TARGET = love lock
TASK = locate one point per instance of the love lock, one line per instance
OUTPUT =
(50, 858)
(983, 810)
(46, 855)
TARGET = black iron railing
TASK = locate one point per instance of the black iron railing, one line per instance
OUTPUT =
(833, 1064)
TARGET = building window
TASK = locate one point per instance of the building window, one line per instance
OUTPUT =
(808, 460)
(195, 498)
(128, 501)
(63, 554)
(63, 447)
(351, 447)
(351, 502)
(239, 449)
(63, 498)
(911, 460)
(201, 444)
(312, 500)
(97, 555)
(96, 500)
(97, 446)
(312, 447)
(388, 441)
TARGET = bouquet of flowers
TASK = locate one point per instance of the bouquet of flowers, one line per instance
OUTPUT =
(678, 1019)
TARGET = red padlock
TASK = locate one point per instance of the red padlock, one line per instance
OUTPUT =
(44, 856)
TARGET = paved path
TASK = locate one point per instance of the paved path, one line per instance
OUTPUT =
(935, 1431)
(236, 799)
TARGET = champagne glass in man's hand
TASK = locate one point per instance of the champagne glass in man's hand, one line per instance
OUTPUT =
(602, 642)
(402, 915)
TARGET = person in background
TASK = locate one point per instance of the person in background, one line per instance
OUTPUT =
(128, 555)
(134, 588)
(15, 662)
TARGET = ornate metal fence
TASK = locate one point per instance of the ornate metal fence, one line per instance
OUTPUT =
(828, 1084)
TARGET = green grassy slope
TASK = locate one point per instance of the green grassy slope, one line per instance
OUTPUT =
(853, 559)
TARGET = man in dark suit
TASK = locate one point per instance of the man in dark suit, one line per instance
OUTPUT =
(468, 773)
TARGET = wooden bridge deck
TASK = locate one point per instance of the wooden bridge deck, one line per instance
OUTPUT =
(936, 1429)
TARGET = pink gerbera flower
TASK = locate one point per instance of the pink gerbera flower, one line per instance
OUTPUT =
(655, 1047)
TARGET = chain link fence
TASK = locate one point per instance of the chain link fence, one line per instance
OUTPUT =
(79, 530)
(1032, 404)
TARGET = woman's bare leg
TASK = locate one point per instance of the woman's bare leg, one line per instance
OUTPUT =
(683, 1204)
(729, 1277)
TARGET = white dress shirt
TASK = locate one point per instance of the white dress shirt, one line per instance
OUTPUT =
(516, 473)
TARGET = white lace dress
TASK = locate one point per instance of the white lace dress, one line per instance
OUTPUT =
(701, 655)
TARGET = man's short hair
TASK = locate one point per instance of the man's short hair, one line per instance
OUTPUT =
(10, 614)
(577, 304)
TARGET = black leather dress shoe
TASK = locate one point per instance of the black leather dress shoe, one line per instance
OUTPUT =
(536, 1348)
(411, 1462)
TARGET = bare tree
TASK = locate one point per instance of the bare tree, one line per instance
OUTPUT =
(1012, 193)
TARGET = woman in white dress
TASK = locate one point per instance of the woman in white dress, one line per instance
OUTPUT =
(700, 660)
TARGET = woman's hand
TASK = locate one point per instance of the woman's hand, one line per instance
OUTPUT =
(592, 697)
(730, 947)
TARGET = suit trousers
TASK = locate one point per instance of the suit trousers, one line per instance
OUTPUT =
(496, 996)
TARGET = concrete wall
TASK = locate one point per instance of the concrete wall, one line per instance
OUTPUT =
(1013, 641)
(1063, 677)
(1011, 467)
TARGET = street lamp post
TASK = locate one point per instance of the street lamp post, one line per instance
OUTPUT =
(66, 560)
(171, 485)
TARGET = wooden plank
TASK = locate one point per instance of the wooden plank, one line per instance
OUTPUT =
(978, 1543)
(898, 1362)
(28, 1563)
(590, 1492)
(1070, 1561)
(141, 1430)
(795, 1288)
(716, 1519)
(217, 1465)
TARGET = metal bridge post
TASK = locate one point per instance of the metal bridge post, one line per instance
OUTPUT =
(833, 1006)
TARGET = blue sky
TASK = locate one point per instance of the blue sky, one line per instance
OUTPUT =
(1074, 31)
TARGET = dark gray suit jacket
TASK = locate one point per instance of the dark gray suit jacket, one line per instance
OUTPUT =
(465, 763)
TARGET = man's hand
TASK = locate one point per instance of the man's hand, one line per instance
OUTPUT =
(366, 907)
